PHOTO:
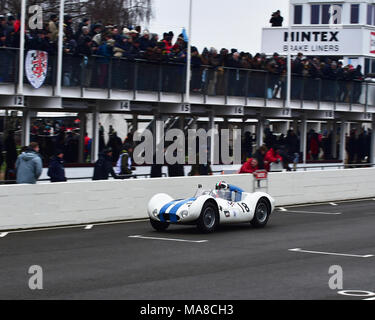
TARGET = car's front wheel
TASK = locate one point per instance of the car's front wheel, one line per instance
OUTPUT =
(261, 215)
(209, 218)
(159, 226)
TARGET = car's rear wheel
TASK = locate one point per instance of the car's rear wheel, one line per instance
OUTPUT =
(159, 226)
(262, 214)
(209, 218)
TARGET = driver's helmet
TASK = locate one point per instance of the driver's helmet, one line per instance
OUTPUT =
(222, 185)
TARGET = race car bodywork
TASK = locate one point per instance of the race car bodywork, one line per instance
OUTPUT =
(208, 209)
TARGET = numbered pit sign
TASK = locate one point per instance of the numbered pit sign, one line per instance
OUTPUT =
(239, 111)
(18, 101)
(125, 105)
(185, 108)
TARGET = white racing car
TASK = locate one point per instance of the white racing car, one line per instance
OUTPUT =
(208, 208)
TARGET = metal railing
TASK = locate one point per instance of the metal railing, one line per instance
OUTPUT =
(144, 75)
(339, 165)
(121, 177)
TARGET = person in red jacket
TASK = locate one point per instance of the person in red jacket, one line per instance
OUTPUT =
(272, 156)
(250, 166)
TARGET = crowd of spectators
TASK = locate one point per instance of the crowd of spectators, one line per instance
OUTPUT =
(285, 151)
(85, 39)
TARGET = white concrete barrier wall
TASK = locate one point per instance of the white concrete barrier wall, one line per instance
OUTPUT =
(43, 205)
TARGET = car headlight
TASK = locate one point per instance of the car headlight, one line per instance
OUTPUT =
(184, 213)
(155, 212)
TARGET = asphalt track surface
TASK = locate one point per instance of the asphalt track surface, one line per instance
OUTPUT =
(236, 262)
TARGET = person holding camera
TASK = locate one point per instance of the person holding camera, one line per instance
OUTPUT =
(276, 19)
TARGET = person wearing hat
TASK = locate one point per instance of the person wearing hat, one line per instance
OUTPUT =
(144, 41)
(124, 164)
(68, 29)
(85, 23)
(56, 170)
(134, 34)
(103, 167)
(125, 32)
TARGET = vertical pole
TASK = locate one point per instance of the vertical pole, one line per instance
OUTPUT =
(342, 140)
(188, 63)
(295, 126)
(212, 140)
(334, 140)
(82, 132)
(60, 48)
(95, 135)
(289, 62)
(6, 122)
(22, 48)
(303, 139)
(135, 123)
(372, 152)
(25, 127)
(260, 132)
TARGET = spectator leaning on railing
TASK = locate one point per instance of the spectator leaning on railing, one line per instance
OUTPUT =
(84, 39)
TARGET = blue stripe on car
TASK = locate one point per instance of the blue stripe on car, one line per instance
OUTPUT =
(165, 208)
(173, 211)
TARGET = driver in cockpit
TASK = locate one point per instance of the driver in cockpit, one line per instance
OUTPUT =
(227, 191)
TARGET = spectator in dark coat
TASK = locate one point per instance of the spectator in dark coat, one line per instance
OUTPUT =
(276, 19)
(11, 156)
(352, 147)
(144, 41)
(103, 167)
(176, 170)
(259, 156)
(1, 153)
(85, 23)
(56, 169)
(115, 144)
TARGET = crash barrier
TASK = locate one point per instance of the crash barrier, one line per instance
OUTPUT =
(43, 205)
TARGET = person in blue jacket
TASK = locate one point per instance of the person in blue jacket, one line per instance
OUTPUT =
(29, 165)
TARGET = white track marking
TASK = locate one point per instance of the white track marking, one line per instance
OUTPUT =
(79, 226)
(4, 234)
(168, 239)
(312, 212)
(332, 253)
(333, 204)
(324, 203)
(89, 227)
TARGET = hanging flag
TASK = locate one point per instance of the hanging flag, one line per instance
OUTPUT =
(186, 38)
(36, 65)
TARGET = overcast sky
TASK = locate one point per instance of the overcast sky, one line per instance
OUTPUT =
(218, 23)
